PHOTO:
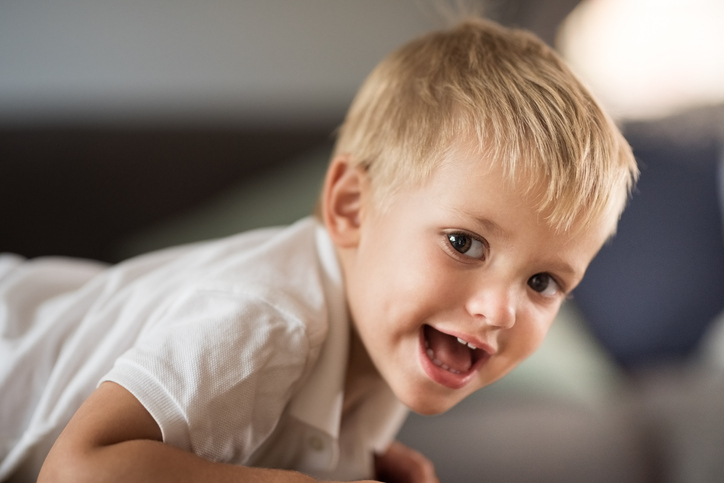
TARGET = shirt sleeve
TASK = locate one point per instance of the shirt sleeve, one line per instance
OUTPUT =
(216, 372)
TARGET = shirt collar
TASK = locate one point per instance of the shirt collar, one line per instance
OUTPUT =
(319, 402)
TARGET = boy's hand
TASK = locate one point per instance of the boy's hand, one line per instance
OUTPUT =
(401, 464)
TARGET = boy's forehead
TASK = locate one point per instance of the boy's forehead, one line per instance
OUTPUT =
(475, 163)
(471, 162)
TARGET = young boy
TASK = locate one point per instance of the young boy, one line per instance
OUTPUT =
(473, 181)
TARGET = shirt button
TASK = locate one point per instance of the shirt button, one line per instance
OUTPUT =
(316, 443)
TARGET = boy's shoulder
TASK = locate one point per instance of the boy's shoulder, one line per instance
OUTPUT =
(279, 266)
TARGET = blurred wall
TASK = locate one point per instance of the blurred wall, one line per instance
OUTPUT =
(217, 60)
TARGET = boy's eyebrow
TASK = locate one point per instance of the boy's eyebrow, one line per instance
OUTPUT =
(494, 228)
(563, 267)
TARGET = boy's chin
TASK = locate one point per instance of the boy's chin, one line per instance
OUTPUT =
(427, 404)
(427, 409)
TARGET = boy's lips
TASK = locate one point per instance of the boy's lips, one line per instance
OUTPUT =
(451, 359)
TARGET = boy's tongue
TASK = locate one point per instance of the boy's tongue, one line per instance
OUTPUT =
(448, 350)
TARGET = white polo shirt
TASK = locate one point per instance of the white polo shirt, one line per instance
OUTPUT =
(237, 348)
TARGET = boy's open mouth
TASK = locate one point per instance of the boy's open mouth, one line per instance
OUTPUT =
(450, 353)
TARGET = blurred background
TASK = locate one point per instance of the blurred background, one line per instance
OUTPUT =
(131, 125)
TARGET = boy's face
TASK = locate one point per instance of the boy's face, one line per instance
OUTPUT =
(462, 260)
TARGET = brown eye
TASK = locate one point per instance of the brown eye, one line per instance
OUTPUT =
(467, 245)
(543, 284)
(460, 242)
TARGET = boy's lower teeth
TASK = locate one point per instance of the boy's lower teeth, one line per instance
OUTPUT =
(438, 363)
(447, 352)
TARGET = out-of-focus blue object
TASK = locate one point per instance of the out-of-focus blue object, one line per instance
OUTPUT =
(651, 293)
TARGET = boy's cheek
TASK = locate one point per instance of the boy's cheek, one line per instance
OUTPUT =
(519, 345)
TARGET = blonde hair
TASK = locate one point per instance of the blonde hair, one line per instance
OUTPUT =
(516, 100)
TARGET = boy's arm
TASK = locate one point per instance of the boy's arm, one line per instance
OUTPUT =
(113, 438)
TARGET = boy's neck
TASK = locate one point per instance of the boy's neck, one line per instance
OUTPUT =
(361, 377)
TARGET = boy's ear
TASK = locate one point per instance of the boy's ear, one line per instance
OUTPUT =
(346, 190)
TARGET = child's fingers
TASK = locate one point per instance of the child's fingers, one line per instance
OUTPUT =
(401, 464)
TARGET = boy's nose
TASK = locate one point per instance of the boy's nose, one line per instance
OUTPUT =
(495, 305)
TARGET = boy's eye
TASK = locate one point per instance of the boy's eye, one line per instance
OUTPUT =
(467, 245)
(543, 284)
